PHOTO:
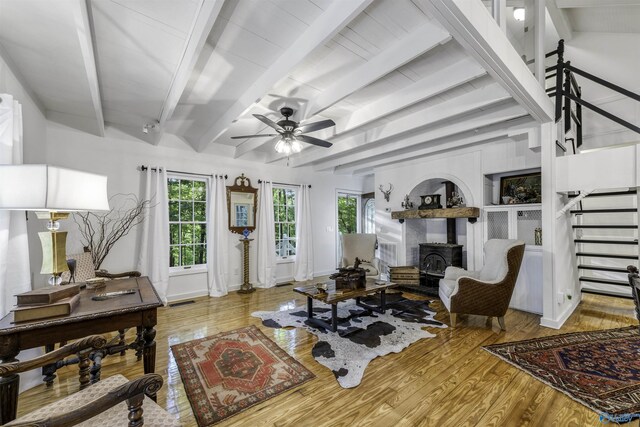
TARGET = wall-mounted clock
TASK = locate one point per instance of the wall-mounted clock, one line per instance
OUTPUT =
(430, 201)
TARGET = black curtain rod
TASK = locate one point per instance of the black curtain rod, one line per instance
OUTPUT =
(144, 168)
(281, 183)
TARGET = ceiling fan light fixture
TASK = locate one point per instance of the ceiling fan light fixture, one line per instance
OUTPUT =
(518, 13)
(288, 145)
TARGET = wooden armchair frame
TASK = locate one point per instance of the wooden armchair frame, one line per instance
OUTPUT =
(133, 391)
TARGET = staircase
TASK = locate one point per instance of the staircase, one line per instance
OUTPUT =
(605, 227)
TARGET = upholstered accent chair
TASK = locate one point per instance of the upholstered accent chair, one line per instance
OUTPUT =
(488, 291)
(363, 247)
(114, 401)
(81, 269)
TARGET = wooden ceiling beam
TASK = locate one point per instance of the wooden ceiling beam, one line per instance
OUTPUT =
(466, 123)
(399, 53)
(434, 148)
(200, 30)
(441, 81)
(479, 34)
(327, 25)
(84, 31)
(423, 119)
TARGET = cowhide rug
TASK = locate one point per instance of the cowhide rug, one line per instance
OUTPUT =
(362, 334)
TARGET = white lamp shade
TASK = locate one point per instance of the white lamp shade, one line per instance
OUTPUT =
(50, 188)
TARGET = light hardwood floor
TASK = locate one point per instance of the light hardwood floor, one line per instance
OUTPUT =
(444, 381)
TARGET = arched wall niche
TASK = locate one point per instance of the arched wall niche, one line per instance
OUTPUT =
(418, 231)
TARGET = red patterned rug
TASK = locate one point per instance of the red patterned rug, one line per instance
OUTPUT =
(600, 369)
(227, 373)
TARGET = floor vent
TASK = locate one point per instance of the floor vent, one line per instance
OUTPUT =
(178, 304)
(284, 284)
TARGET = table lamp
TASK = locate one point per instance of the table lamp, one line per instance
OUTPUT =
(53, 193)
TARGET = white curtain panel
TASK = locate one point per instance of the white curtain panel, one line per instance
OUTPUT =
(303, 267)
(154, 248)
(15, 271)
(217, 237)
(266, 240)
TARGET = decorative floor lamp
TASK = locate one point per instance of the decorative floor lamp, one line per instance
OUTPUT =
(53, 193)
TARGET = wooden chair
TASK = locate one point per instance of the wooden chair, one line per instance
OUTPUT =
(488, 291)
(114, 401)
(634, 282)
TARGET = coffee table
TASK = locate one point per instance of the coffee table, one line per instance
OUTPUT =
(333, 296)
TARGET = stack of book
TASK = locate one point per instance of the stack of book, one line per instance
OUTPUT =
(405, 275)
(52, 301)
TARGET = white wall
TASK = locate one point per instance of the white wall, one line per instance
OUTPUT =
(466, 168)
(118, 156)
(34, 132)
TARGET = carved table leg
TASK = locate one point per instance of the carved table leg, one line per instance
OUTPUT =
(149, 351)
(49, 371)
(121, 333)
(139, 342)
(84, 371)
(9, 387)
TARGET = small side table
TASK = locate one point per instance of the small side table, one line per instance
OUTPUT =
(246, 287)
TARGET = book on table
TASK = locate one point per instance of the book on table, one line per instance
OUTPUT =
(62, 307)
(47, 295)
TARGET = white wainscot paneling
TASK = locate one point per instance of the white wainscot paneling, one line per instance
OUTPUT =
(527, 295)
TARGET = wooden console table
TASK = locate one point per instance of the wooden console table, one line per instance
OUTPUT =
(89, 318)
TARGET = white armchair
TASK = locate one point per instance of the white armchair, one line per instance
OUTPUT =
(363, 247)
(487, 291)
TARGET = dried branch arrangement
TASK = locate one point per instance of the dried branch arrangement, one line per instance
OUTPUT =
(100, 231)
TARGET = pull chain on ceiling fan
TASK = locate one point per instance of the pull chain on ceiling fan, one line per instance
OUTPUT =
(291, 133)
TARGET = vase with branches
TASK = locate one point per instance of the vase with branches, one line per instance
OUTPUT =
(100, 231)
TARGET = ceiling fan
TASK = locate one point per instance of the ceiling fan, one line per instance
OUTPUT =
(291, 132)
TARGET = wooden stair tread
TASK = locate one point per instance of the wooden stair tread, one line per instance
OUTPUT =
(601, 255)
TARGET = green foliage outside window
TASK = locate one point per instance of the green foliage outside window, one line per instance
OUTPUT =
(187, 222)
(284, 215)
(347, 214)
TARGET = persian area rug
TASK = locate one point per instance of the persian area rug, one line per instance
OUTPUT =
(600, 369)
(225, 374)
(362, 334)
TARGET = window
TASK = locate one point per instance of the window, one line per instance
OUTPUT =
(187, 222)
(284, 215)
(370, 216)
(348, 213)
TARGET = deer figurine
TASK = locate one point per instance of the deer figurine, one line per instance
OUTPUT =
(386, 193)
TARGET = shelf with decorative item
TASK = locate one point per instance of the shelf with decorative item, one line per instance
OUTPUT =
(466, 212)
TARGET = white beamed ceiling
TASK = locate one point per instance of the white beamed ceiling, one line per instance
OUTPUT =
(391, 77)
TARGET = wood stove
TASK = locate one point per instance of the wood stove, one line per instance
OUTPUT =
(435, 258)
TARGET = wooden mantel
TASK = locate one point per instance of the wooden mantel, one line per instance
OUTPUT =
(471, 213)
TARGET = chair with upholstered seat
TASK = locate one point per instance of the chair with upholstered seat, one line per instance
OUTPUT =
(114, 401)
(488, 291)
(363, 247)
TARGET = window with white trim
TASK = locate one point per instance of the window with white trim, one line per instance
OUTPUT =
(187, 222)
(284, 215)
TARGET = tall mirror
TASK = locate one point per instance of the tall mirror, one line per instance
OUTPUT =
(241, 204)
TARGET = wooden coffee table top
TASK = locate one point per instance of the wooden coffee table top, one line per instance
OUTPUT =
(333, 295)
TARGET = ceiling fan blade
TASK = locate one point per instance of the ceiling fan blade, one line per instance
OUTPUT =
(312, 127)
(254, 136)
(314, 141)
(267, 121)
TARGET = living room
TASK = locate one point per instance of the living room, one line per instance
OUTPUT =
(416, 122)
